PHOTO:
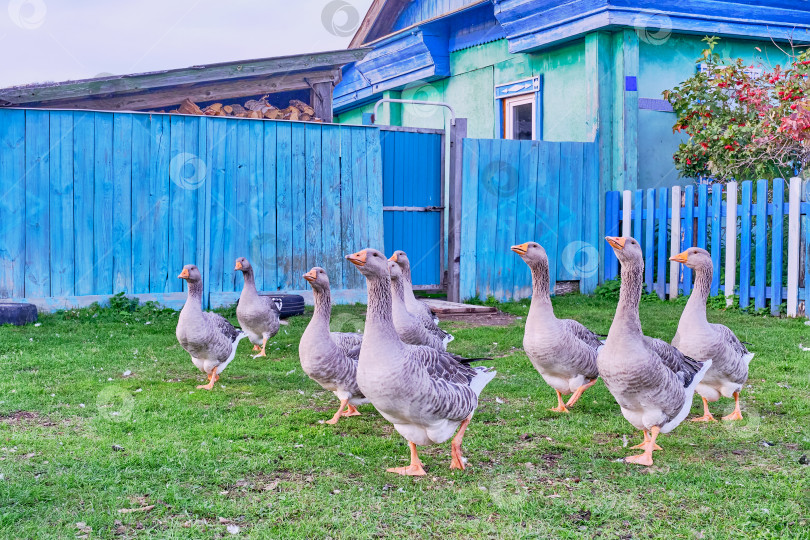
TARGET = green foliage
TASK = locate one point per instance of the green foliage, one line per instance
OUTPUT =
(609, 289)
(743, 123)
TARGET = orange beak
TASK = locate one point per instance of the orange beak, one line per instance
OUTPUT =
(238, 265)
(680, 257)
(183, 274)
(310, 276)
(521, 249)
(616, 242)
(358, 259)
(393, 258)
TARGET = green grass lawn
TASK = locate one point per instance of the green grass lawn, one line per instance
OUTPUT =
(99, 412)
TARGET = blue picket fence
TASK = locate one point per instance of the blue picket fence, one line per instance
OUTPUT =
(521, 191)
(758, 245)
(93, 203)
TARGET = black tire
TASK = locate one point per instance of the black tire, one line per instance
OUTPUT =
(17, 314)
(291, 304)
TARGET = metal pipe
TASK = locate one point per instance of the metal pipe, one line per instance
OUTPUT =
(414, 102)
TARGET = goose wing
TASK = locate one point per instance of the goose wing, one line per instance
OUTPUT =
(582, 333)
(221, 326)
(731, 340)
(684, 367)
(347, 341)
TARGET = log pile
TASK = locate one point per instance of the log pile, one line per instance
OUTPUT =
(254, 108)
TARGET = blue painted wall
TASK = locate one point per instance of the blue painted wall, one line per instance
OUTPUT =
(97, 203)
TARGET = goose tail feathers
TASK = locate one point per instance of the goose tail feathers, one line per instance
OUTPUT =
(689, 393)
(482, 377)
(239, 337)
(747, 358)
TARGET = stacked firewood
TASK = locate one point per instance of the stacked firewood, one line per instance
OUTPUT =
(254, 108)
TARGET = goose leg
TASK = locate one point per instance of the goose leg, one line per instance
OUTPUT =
(257, 348)
(414, 469)
(560, 405)
(351, 410)
(457, 461)
(646, 458)
(574, 398)
(736, 415)
(707, 416)
(646, 442)
(339, 413)
(212, 378)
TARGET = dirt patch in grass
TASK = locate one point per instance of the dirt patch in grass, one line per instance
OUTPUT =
(26, 417)
(473, 320)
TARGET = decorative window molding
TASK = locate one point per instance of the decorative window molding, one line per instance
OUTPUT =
(750, 71)
(503, 92)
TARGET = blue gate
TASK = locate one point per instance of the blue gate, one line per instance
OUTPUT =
(413, 206)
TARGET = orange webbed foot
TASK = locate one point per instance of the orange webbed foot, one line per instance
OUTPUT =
(351, 410)
(641, 459)
(705, 418)
(257, 348)
(410, 470)
(561, 408)
(736, 415)
(260, 354)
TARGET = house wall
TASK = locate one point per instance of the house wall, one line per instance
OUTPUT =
(470, 89)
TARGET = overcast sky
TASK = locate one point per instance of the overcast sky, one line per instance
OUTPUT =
(57, 40)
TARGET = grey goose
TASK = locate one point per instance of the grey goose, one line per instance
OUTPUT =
(702, 340)
(322, 358)
(427, 394)
(408, 326)
(563, 351)
(208, 337)
(257, 315)
(650, 379)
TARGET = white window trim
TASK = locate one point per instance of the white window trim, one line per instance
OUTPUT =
(509, 108)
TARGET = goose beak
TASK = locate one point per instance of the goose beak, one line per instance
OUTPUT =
(238, 266)
(310, 276)
(183, 274)
(616, 242)
(357, 259)
(521, 249)
(680, 257)
(393, 258)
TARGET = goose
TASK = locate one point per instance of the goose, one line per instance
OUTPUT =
(208, 337)
(415, 306)
(257, 315)
(408, 326)
(427, 394)
(651, 380)
(322, 359)
(700, 339)
(563, 351)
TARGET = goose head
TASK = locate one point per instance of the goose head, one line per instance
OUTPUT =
(532, 253)
(694, 257)
(395, 270)
(627, 250)
(370, 262)
(401, 259)
(191, 274)
(317, 279)
(242, 264)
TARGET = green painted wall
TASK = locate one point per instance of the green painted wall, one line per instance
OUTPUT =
(470, 89)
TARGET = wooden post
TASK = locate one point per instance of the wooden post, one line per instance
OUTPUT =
(320, 97)
(731, 241)
(794, 194)
(675, 242)
(457, 133)
(627, 212)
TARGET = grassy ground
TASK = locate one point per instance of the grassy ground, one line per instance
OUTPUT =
(99, 412)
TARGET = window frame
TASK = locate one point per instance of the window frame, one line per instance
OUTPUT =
(509, 105)
(505, 93)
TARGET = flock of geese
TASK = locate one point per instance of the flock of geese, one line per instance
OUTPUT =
(401, 366)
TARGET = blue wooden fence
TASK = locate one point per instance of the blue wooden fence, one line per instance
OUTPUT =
(412, 182)
(771, 264)
(93, 203)
(520, 191)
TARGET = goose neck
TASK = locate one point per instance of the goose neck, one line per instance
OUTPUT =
(195, 294)
(323, 307)
(696, 305)
(379, 321)
(627, 316)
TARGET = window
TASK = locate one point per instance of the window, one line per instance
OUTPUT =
(518, 110)
(519, 124)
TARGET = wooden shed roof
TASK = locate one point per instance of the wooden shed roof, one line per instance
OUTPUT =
(165, 88)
